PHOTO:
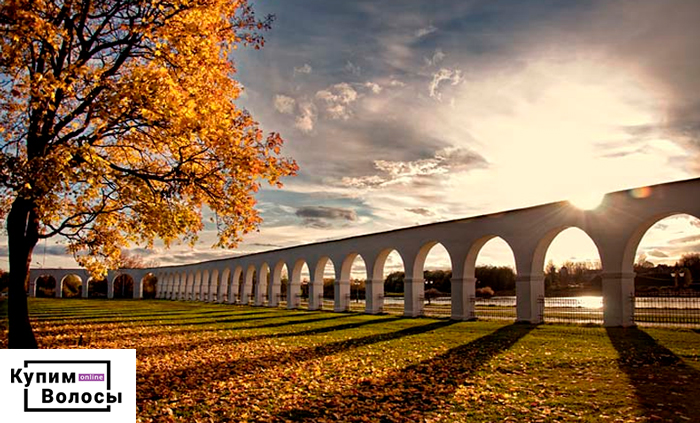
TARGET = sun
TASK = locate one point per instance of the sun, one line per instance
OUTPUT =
(587, 200)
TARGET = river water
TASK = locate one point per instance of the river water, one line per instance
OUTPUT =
(588, 302)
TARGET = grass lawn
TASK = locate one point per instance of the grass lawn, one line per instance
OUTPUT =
(208, 362)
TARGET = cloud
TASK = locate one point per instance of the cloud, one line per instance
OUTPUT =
(318, 216)
(437, 57)
(317, 223)
(422, 32)
(374, 87)
(323, 212)
(660, 226)
(371, 181)
(447, 160)
(336, 100)
(657, 253)
(306, 120)
(306, 69)
(195, 255)
(421, 211)
(460, 159)
(685, 240)
(352, 68)
(266, 245)
(454, 77)
(39, 251)
(284, 104)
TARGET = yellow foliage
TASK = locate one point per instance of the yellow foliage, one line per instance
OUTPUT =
(118, 122)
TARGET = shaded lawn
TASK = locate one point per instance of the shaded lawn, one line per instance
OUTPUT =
(212, 362)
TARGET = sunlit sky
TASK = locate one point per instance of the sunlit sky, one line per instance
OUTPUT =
(411, 112)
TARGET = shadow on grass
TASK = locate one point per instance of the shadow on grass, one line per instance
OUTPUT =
(665, 386)
(410, 393)
(99, 317)
(95, 336)
(309, 318)
(344, 326)
(201, 375)
(59, 327)
(128, 318)
(278, 335)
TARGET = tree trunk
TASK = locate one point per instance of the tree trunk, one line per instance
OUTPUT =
(23, 234)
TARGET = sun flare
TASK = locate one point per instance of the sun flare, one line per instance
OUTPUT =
(587, 200)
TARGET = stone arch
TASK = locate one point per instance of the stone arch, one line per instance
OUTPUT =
(380, 262)
(566, 274)
(632, 244)
(169, 285)
(340, 296)
(383, 279)
(197, 286)
(234, 294)
(294, 286)
(224, 285)
(348, 264)
(180, 281)
(538, 258)
(123, 286)
(178, 285)
(214, 286)
(476, 248)
(148, 286)
(274, 293)
(464, 279)
(262, 285)
(44, 286)
(70, 286)
(203, 289)
(85, 288)
(347, 282)
(414, 288)
(173, 279)
(96, 288)
(160, 277)
(247, 287)
(422, 255)
(174, 286)
(529, 290)
(162, 286)
(189, 286)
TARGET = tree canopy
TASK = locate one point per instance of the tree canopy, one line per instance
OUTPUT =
(118, 125)
(118, 121)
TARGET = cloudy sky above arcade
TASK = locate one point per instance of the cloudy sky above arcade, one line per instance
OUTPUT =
(411, 112)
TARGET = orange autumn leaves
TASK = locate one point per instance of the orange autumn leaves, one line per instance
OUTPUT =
(119, 121)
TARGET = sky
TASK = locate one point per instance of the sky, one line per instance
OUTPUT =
(412, 112)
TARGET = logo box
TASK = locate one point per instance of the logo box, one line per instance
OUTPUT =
(68, 385)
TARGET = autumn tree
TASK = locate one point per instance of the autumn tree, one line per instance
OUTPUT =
(132, 261)
(118, 126)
